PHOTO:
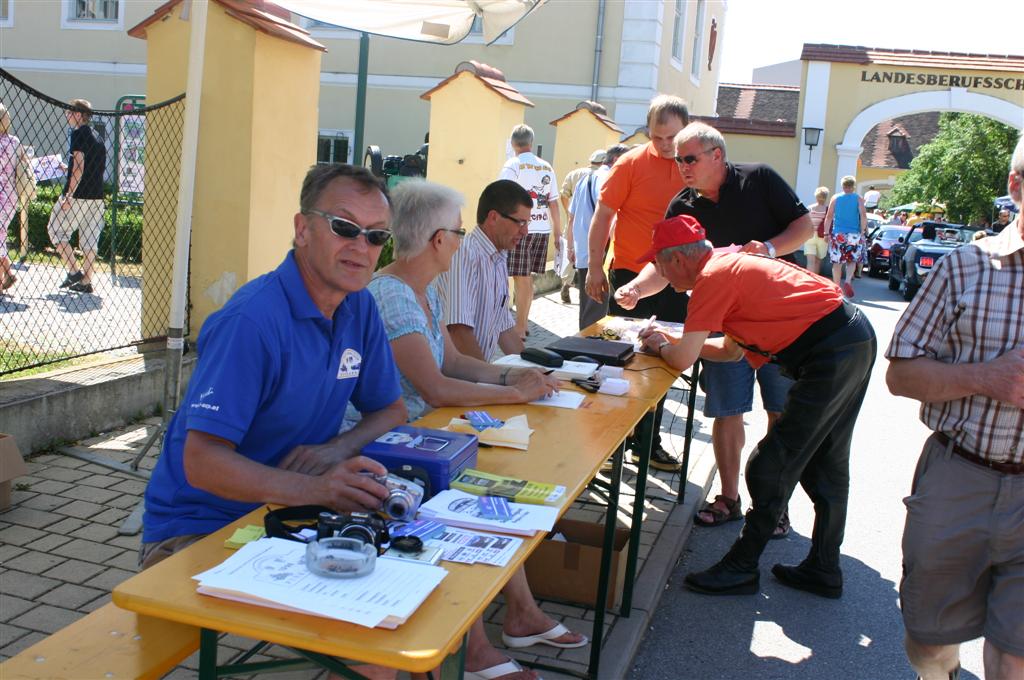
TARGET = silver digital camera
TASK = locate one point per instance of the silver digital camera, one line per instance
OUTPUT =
(405, 493)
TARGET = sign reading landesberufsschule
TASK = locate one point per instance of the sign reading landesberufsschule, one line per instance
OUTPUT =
(942, 80)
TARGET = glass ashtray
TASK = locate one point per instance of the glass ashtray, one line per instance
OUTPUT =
(339, 557)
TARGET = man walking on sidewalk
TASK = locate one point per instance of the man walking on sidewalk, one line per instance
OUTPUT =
(959, 350)
(80, 207)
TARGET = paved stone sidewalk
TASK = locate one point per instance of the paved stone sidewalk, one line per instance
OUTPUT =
(60, 553)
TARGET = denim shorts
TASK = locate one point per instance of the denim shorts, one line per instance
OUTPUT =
(729, 387)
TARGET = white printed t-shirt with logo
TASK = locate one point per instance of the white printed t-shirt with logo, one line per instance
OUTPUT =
(536, 176)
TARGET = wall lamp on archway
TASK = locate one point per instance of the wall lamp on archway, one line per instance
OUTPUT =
(812, 137)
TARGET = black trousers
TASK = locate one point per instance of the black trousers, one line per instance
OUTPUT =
(590, 311)
(668, 305)
(810, 445)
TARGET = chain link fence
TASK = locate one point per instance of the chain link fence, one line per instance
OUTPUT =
(92, 272)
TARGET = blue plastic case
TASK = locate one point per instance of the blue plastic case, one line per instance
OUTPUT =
(444, 455)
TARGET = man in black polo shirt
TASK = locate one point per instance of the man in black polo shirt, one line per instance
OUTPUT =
(747, 205)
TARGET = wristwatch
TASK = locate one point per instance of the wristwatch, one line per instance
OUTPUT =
(771, 248)
(662, 346)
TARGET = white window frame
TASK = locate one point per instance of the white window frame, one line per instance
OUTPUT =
(476, 35)
(678, 33)
(316, 31)
(8, 21)
(698, 41)
(66, 22)
(338, 132)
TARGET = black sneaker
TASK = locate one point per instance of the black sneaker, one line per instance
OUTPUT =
(71, 279)
(661, 460)
(81, 287)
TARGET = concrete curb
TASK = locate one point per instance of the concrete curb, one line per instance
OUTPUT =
(624, 639)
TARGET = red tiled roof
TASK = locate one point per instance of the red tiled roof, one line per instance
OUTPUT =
(771, 103)
(262, 15)
(920, 58)
(604, 119)
(746, 126)
(489, 76)
(914, 131)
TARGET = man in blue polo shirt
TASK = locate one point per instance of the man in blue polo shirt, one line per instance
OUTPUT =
(277, 365)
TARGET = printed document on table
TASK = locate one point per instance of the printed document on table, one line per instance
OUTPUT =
(458, 508)
(272, 572)
(473, 547)
(561, 399)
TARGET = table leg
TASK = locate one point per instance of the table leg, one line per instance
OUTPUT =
(645, 439)
(454, 664)
(604, 578)
(207, 654)
(691, 405)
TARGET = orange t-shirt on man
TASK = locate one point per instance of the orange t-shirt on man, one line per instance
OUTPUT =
(639, 188)
(759, 301)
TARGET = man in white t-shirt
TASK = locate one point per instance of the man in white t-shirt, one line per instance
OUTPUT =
(871, 198)
(530, 256)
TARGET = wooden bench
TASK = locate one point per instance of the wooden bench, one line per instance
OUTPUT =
(108, 643)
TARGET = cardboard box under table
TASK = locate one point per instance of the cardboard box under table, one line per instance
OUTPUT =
(11, 466)
(568, 570)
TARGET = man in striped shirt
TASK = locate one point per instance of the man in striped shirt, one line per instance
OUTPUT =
(959, 350)
(475, 289)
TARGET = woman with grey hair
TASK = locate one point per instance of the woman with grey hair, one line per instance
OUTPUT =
(427, 228)
(426, 224)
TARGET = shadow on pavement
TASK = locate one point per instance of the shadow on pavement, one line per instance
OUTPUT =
(76, 303)
(778, 634)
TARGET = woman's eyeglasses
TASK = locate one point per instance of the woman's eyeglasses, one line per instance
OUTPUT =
(692, 158)
(349, 229)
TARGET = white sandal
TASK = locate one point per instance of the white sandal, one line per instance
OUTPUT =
(546, 638)
(496, 671)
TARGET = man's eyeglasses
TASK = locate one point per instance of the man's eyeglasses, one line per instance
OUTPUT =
(460, 232)
(521, 223)
(692, 158)
(349, 229)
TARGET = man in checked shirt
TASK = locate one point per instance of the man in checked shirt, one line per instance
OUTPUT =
(959, 349)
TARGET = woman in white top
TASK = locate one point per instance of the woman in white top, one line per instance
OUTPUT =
(816, 247)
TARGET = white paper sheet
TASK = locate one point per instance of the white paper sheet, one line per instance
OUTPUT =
(562, 399)
(272, 572)
(458, 508)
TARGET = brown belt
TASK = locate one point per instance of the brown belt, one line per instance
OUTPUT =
(1005, 468)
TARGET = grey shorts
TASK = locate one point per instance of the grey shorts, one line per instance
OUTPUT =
(84, 216)
(158, 551)
(963, 553)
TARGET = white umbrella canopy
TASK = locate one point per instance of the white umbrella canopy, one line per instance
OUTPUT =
(445, 22)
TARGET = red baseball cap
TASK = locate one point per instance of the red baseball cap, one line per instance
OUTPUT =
(675, 231)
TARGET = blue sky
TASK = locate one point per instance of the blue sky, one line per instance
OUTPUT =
(762, 32)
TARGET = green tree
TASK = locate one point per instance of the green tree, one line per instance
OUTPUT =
(964, 167)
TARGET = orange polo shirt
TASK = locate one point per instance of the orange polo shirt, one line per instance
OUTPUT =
(759, 301)
(639, 188)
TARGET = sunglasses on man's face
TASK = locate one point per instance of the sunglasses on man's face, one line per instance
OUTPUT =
(692, 158)
(350, 230)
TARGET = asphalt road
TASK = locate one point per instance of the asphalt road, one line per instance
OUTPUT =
(789, 635)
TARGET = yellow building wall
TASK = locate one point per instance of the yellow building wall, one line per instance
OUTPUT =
(778, 152)
(636, 138)
(675, 77)
(848, 95)
(284, 127)
(576, 137)
(469, 126)
(256, 141)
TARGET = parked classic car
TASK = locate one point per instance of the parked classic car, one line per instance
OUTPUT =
(914, 255)
(881, 245)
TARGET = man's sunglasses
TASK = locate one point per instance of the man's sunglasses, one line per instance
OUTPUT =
(349, 229)
(460, 232)
(692, 158)
(521, 223)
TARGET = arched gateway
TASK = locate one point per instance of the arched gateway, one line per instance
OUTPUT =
(848, 90)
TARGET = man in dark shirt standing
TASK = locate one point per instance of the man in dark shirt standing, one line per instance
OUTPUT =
(746, 205)
(80, 207)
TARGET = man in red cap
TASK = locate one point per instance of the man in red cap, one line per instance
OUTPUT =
(770, 311)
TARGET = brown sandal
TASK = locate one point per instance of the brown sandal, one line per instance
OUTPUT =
(9, 281)
(732, 512)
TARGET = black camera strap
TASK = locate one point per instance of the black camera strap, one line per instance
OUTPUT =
(288, 522)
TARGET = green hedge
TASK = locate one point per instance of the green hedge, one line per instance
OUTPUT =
(129, 226)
